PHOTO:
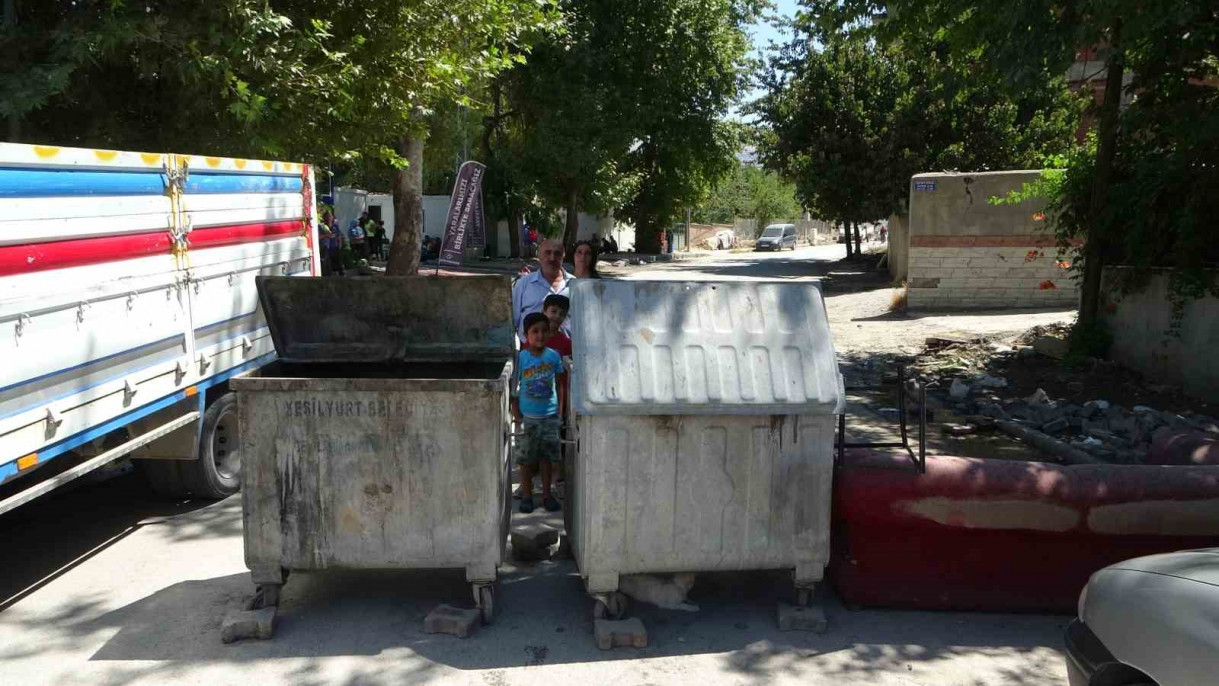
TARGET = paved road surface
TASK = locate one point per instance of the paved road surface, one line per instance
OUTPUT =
(107, 585)
(857, 301)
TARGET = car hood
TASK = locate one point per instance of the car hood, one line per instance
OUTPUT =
(1193, 565)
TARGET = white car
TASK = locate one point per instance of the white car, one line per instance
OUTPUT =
(1150, 621)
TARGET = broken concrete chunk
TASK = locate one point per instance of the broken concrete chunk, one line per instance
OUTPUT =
(988, 381)
(447, 619)
(628, 633)
(533, 541)
(796, 618)
(959, 429)
(1049, 346)
(959, 390)
(1056, 425)
(1039, 397)
(239, 624)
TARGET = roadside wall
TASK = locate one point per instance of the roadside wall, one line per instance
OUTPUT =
(1140, 325)
(967, 253)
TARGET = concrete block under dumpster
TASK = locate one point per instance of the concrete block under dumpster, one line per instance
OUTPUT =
(705, 423)
(379, 439)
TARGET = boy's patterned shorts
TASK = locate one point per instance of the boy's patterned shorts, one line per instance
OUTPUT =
(540, 442)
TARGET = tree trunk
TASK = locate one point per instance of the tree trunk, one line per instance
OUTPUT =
(846, 237)
(514, 230)
(858, 248)
(408, 209)
(1094, 248)
(647, 237)
(571, 228)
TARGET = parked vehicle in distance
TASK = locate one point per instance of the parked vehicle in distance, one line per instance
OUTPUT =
(777, 237)
(1150, 621)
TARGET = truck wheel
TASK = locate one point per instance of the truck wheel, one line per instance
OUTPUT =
(217, 472)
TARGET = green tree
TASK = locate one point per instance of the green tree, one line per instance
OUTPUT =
(1138, 194)
(568, 136)
(852, 121)
(400, 61)
(750, 192)
(683, 64)
(626, 108)
(348, 80)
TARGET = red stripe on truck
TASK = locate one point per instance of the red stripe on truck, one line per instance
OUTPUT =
(36, 257)
(217, 236)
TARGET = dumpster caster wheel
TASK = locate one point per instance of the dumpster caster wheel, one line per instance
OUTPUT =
(610, 606)
(486, 602)
(804, 597)
(267, 595)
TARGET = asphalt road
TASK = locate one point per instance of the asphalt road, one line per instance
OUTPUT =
(108, 585)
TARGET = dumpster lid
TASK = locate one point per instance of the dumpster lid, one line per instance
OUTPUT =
(388, 318)
(702, 347)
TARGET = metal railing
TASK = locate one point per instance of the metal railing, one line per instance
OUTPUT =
(920, 460)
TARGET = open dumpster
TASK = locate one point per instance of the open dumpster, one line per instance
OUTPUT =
(378, 440)
(705, 425)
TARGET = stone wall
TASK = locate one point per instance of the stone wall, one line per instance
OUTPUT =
(965, 252)
(1140, 324)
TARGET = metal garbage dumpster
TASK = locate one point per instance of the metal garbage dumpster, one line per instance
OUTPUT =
(705, 426)
(379, 438)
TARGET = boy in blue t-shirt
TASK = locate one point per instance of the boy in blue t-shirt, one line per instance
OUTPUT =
(536, 406)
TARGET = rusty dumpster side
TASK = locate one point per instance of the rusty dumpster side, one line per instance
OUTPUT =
(374, 473)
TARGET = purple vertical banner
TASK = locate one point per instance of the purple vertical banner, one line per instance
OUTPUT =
(478, 227)
(467, 193)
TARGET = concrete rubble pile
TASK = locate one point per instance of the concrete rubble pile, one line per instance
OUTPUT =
(1106, 431)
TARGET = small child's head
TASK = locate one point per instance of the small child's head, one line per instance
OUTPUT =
(555, 308)
(537, 331)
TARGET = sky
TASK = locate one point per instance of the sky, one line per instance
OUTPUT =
(763, 34)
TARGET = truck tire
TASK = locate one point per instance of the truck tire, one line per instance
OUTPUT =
(217, 472)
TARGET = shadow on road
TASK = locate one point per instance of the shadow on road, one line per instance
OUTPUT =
(908, 315)
(57, 533)
(546, 619)
(836, 275)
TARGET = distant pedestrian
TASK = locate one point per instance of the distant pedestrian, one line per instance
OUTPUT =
(378, 245)
(359, 243)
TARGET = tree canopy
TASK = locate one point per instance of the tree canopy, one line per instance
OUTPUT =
(851, 118)
(1139, 194)
(750, 192)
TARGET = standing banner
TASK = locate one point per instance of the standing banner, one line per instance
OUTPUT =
(467, 193)
(478, 227)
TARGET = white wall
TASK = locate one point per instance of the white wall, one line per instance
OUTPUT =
(1140, 323)
(435, 211)
(348, 204)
